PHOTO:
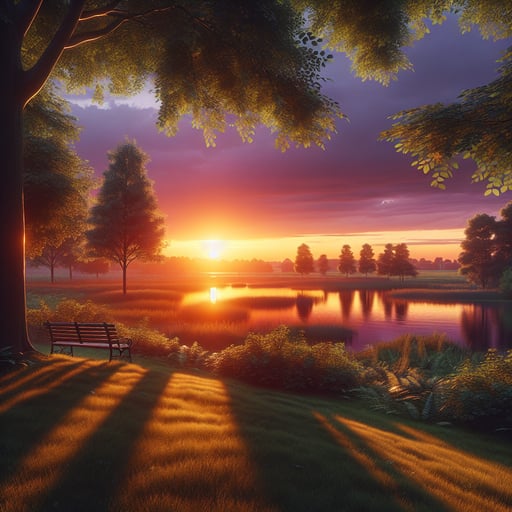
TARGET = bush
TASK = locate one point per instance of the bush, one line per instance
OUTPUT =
(480, 393)
(147, 341)
(434, 355)
(278, 360)
(506, 283)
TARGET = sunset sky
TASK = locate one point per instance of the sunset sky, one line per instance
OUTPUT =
(261, 203)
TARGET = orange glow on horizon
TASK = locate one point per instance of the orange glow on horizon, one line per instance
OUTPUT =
(427, 244)
(213, 248)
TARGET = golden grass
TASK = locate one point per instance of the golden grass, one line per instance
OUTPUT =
(79, 434)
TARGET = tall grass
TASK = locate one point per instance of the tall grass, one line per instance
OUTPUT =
(84, 435)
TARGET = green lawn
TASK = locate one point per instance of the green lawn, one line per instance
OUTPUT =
(88, 435)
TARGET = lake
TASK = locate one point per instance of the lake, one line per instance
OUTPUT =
(358, 317)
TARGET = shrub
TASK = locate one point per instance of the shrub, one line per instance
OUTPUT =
(435, 355)
(278, 360)
(506, 283)
(480, 393)
(149, 342)
(70, 310)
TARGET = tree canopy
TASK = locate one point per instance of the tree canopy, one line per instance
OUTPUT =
(487, 248)
(304, 261)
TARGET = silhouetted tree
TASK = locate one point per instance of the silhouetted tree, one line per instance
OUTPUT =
(402, 266)
(385, 261)
(367, 263)
(304, 262)
(94, 266)
(287, 265)
(126, 224)
(477, 259)
(395, 261)
(323, 264)
(347, 263)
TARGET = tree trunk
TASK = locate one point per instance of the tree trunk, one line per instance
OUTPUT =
(12, 229)
(124, 267)
(12, 225)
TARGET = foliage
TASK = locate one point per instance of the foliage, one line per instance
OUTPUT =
(480, 393)
(280, 361)
(395, 261)
(433, 354)
(478, 126)
(323, 264)
(487, 248)
(506, 283)
(57, 182)
(71, 310)
(126, 224)
(347, 262)
(304, 262)
(367, 263)
(148, 341)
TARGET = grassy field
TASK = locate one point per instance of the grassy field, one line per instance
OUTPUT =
(87, 435)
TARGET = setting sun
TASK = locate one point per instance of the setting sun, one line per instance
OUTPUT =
(214, 248)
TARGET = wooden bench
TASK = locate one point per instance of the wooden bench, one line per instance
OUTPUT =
(88, 335)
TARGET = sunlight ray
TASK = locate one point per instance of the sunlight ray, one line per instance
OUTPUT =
(458, 482)
(46, 463)
(187, 436)
(36, 391)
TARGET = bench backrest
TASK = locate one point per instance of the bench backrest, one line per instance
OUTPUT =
(83, 332)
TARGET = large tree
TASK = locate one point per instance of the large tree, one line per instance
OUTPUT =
(478, 249)
(487, 249)
(126, 224)
(256, 61)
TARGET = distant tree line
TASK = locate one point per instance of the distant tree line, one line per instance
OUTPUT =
(485, 259)
(394, 261)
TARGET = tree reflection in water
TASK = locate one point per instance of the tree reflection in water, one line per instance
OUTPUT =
(486, 326)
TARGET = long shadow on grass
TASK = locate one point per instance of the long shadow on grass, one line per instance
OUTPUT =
(37, 403)
(304, 467)
(95, 472)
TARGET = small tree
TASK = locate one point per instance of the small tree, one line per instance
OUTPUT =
(287, 265)
(367, 263)
(304, 262)
(395, 261)
(125, 220)
(402, 265)
(385, 261)
(347, 264)
(323, 264)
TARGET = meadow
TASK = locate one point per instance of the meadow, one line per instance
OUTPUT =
(83, 434)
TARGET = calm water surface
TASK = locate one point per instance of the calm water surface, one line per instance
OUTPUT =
(371, 316)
